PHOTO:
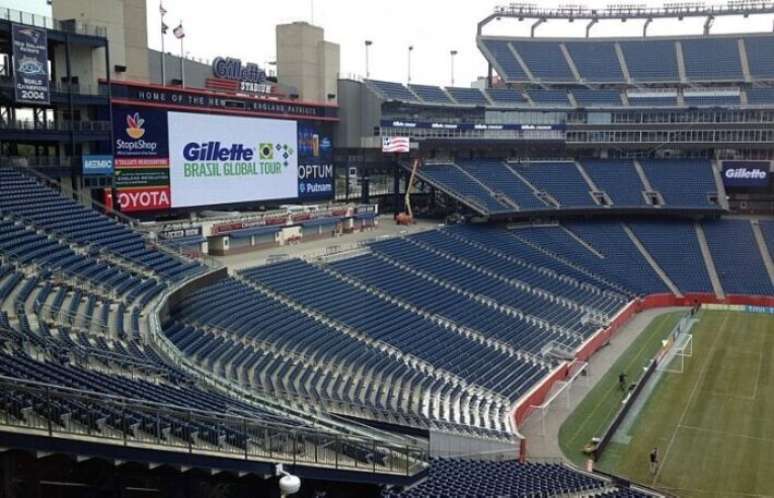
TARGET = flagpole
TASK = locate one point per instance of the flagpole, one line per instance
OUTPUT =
(163, 62)
(182, 59)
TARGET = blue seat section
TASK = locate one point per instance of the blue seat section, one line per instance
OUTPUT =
(472, 96)
(451, 178)
(393, 91)
(712, 101)
(651, 60)
(675, 247)
(682, 183)
(767, 229)
(296, 336)
(559, 250)
(560, 179)
(545, 60)
(21, 366)
(589, 98)
(619, 179)
(505, 59)
(43, 208)
(652, 101)
(431, 94)
(590, 296)
(388, 322)
(495, 175)
(29, 247)
(737, 258)
(481, 283)
(549, 97)
(505, 96)
(760, 55)
(622, 257)
(596, 61)
(760, 96)
(511, 246)
(712, 59)
(468, 478)
(385, 275)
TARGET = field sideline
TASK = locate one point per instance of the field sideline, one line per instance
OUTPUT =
(713, 424)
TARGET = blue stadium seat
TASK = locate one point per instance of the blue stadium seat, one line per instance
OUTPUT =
(619, 179)
(560, 179)
(685, 267)
(712, 59)
(393, 91)
(596, 61)
(545, 60)
(504, 59)
(431, 94)
(682, 183)
(651, 60)
(760, 55)
(737, 258)
(506, 96)
(472, 96)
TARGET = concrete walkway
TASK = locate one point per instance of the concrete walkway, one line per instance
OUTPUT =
(386, 228)
(546, 445)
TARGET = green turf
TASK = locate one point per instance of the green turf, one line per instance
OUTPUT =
(714, 423)
(594, 413)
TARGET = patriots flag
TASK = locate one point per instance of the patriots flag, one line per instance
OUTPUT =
(395, 144)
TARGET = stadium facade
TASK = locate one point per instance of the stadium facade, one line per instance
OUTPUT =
(131, 364)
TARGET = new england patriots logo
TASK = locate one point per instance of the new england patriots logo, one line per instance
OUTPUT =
(32, 34)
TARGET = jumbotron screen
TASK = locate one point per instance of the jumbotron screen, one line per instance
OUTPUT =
(180, 160)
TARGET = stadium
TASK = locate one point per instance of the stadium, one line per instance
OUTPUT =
(219, 280)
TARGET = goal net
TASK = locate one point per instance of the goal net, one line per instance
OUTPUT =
(677, 347)
(561, 390)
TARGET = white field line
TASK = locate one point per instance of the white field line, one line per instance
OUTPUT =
(694, 390)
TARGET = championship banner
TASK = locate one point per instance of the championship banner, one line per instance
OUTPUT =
(30, 64)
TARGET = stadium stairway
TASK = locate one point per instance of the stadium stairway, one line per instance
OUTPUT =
(760, 240)
(568, 296)
(644, 178)
(712, 271)
(468, 332)
(561, 334)
(581, 273)
(499, 196)
(652, 262)
(592, 186)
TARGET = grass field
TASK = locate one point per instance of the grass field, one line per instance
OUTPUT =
(714, 423)
(597, 409)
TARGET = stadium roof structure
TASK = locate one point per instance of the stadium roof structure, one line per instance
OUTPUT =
(624, 12)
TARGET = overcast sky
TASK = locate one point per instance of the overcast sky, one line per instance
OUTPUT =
(245, 29)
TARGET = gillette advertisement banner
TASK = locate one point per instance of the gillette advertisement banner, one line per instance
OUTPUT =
(226, 159)
(30, 64)
(166, 160)
(747, 174)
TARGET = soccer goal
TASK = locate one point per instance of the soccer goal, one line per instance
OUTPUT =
(578, 373)
(677, 347)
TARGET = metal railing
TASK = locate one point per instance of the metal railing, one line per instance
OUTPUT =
(6, 80)
(61, 125)
(41, 21)
(70, 413)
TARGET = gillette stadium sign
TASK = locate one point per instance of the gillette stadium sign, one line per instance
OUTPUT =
(250, 77)
(753, 174)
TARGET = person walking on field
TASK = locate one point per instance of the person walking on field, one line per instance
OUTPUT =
(653, 461)
(622, 382)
